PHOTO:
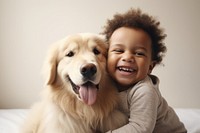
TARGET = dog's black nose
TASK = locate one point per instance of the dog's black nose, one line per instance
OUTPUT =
(88, 70)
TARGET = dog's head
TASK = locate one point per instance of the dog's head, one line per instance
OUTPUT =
(76, 64)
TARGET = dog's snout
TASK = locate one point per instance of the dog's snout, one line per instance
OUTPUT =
(88, 70)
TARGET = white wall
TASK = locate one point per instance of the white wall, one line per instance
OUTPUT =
(28, 27)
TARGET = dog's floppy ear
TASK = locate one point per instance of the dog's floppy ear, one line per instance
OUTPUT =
(50, 65)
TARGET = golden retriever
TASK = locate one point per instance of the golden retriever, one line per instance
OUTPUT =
(79, 96)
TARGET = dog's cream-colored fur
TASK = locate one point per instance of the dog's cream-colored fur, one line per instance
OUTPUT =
(64, 109)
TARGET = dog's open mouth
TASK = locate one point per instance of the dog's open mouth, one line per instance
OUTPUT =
(87, 92)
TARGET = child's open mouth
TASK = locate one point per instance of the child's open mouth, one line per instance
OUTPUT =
(126, 69)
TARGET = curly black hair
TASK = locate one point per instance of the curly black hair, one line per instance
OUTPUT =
(134, 18)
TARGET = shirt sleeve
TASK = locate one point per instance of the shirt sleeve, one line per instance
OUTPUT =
(143, 106)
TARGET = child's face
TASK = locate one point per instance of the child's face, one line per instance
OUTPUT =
(129, 56)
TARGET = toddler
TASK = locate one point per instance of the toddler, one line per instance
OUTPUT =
(135, 47)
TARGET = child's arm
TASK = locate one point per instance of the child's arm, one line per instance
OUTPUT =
(144, 102)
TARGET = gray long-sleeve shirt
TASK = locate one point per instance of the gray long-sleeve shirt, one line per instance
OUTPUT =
(147, 110)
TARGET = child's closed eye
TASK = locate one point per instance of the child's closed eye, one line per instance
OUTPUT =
(118, 50)
(139, 53)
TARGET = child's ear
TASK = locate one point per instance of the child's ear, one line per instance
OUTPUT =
(152, 65)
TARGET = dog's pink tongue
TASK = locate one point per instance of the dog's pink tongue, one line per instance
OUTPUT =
(88, 93)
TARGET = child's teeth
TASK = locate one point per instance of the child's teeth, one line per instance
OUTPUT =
(125, 69)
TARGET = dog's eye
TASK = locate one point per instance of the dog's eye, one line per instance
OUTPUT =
(70, 54)
(96, 51)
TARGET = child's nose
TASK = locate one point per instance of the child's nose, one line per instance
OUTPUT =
(128, 57)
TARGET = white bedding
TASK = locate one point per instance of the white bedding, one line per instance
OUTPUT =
(11, 119)
(191, 119)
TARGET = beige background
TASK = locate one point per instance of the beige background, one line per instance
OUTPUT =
(28, 27)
